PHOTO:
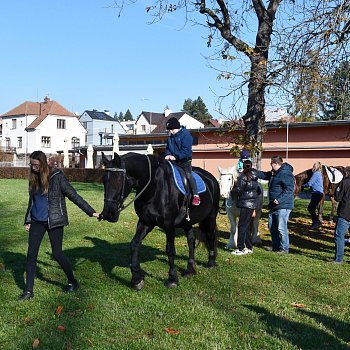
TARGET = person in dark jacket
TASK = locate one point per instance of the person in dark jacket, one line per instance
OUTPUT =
(316, 183)
(281, 201)
(47, 211)
(179, 149)
(247, 192)
(342, 195)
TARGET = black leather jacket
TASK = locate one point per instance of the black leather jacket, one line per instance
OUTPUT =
(342, 195)
(59, 188)
(247, 191)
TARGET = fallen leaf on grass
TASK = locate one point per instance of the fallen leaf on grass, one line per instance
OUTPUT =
(35, 343)
(61, 328)
(172, 331)
(28, 321)
(298, 305)
(58, 310)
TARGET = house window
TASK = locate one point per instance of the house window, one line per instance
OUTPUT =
(85, 125)
(75, 142)
(7, 143)
(19, 142)
(61, 124)
(143, 127)
(112, 128)
(45, 141)
(14, 123)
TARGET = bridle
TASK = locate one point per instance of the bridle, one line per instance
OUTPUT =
(119, 201)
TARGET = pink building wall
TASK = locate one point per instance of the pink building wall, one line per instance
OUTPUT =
(326, 142)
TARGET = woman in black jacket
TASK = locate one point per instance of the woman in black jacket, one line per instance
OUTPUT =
(247, 191)
(47, 211)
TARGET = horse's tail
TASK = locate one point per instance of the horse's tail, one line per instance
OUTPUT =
(209, 237)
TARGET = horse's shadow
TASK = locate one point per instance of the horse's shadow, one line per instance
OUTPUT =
(109, 256)
(303, 335)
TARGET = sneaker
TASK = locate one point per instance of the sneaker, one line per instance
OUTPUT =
(239, 252)
(196, 200)
(316, 225)
(26, 296)
(71, 287)
(248, 251)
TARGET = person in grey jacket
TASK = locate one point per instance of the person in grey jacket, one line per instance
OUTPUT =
(281, 201)
(47, 211)
(247, 192)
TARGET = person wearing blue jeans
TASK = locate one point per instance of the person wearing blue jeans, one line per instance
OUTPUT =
(281, 201)
(342, 195)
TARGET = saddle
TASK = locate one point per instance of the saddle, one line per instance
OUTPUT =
(182, 183)
(334, 175)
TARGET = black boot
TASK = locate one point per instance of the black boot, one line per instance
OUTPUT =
(71, 287)
(26, 295)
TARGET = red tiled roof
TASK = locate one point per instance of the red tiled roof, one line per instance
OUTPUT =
(41, 109)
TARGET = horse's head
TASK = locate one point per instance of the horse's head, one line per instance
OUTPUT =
(227, 179)
(114, 180)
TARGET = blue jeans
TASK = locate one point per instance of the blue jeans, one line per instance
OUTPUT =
(340, 231)
(278, 224)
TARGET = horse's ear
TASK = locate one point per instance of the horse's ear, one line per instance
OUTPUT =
(104, 159)
(232, 170)
(220, 169)
(116, 158)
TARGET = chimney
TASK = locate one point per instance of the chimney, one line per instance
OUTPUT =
(106, 111)
(167, 112)
(46, 99)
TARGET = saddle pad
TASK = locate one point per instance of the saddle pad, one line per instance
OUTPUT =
(179, 183)
(334, 175)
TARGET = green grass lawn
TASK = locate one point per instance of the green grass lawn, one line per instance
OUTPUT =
(247, 302)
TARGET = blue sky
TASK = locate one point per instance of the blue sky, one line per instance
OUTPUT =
(80, 54)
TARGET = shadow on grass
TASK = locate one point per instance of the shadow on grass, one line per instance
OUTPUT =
(110, 256)
(302, 335)
(16, 263)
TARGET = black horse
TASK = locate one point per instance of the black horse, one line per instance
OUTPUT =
(158, 202)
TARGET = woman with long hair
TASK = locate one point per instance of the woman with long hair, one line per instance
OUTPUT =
(316, 182)
(247, 191)
(47, 211)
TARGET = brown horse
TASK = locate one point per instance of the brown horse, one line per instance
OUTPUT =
(328, 188)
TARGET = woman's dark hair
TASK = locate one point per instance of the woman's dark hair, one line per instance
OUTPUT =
(39, 179)
(247, 169)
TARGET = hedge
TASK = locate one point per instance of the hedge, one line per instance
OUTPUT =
(72, 174)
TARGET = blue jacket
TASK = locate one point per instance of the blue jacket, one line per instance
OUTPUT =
(316, 182)
(281, 187)
(179, 145)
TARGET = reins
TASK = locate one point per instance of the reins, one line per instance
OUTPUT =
(119, 201)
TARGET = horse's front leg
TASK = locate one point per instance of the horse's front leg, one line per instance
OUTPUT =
(320, 209)
(232, 243)
(191, 242)
(138, 275)
(333, 210)
(172, 280)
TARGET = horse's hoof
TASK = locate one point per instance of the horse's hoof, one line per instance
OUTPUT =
(169, 284)
(139, 285)
(188, 273)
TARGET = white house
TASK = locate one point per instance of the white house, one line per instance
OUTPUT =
(40, 126)
(100, 127)
(129, 126)
(153, 122)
